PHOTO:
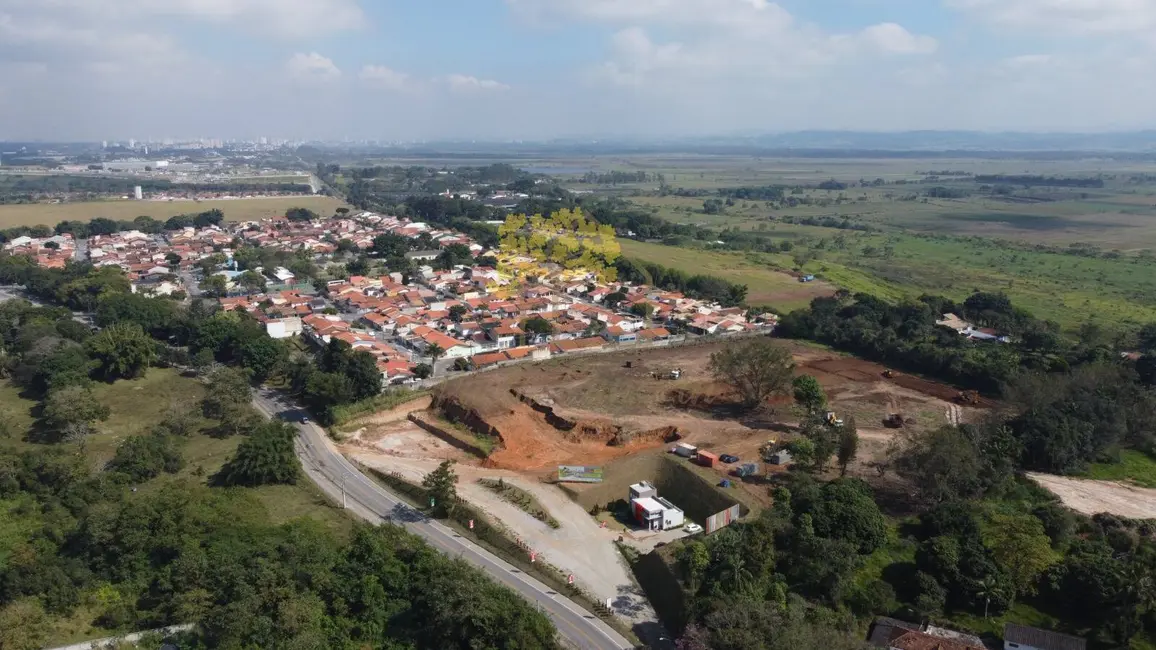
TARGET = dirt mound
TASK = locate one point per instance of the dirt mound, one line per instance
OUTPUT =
(534, 437)
(690, 400)
(652, 436)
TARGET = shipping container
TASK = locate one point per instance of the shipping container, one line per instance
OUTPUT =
(685, 450)
(707, 459)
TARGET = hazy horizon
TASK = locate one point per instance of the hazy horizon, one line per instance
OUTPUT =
(500, 70)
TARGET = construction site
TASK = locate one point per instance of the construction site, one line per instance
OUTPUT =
(624, 413)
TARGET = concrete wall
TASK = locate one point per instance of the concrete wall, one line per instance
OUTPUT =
(681, 486)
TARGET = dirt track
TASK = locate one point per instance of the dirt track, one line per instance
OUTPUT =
(1092, 497)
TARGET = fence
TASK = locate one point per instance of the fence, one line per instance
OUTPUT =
(722, 518)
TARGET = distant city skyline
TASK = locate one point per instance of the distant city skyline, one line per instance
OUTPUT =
(537, 69)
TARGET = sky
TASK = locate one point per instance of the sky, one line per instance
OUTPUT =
(412, 70)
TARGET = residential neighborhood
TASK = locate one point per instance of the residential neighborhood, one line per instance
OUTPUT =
(494, 309)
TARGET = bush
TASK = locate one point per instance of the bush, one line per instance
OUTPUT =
(267, 457)
(144, 457)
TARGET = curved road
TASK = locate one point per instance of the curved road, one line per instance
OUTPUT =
(337, 477)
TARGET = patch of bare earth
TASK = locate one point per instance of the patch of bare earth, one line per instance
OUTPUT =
(579, 547)
(1092, 497)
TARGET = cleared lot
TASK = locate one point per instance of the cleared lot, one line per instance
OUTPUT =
(1093, 497)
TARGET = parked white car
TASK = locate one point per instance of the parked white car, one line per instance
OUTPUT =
(692, 529)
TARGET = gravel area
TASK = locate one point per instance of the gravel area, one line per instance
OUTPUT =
(1092, 497)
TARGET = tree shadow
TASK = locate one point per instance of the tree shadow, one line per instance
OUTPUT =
(901, 576)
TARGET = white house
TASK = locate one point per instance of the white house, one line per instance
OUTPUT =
(284, 328)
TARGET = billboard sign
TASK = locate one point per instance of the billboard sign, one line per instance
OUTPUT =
(579, 474)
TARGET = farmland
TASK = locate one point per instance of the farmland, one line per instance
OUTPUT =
(234, 209)
(766, 284)
(1072, 241)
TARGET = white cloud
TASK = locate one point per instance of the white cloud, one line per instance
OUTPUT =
(382, 77)
(285, 18)
(1084, 17)
(893, 38)
(312, 66)
(465, 83)
(719, 42)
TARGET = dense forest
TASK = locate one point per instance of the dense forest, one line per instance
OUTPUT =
(1078, 400)
(1030, 181)
(27, 189)
(797, 576)
(106, 226)
(209, 554)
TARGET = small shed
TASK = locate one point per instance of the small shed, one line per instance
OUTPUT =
(707, 459)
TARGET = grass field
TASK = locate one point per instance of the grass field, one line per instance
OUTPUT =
(1134, 467)
(1066, 288)
(235, 210)
(766, 286)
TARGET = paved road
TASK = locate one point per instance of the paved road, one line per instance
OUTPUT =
(335, 475)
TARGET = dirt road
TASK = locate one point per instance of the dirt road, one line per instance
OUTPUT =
(1092, 497)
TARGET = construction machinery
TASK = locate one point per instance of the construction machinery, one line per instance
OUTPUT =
(888, 374)
(768, 448)
(968, 397)
(668, 374)
(893, 421)
(832, 420)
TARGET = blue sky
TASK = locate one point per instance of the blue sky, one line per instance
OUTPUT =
(530, 69)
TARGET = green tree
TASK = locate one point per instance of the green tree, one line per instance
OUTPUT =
(434, 352)
(809, 394)
(263, 356)
(642, 309)
(930, 595)
(73, 410)
(215, 286)
(845, 510)
(423, 371)
(458, 312)
(266, 457)
(24, 625)
(695, 559)
(943, 464)
(203, 360)
(441, 484)
(538, 325)
(364, 375)
(848, 444)
(301, 214)
(755, 369)
(226, 389)
(144, 457)
(1019, 545)
(253, 281)
(122, 351)
(614, 298)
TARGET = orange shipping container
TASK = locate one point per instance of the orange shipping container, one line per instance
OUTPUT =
(707, 459)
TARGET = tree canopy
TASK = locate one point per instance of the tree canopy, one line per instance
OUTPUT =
(755, 369)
